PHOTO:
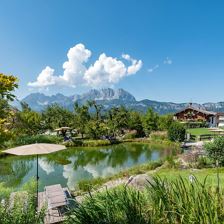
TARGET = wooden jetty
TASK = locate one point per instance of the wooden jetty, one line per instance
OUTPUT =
(53, 199)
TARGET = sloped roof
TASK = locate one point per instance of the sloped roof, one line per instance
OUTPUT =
(197, 109)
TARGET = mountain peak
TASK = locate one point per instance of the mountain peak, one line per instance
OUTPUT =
(39, 101)
(107, 94)
(121, 93)
(109, 98)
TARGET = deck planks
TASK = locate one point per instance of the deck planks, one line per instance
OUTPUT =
(52, 215)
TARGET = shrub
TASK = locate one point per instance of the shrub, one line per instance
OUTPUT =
(176, 132)
(171, 163)
(73, 143)
(203, 162)
(196, 124)
(215, 149)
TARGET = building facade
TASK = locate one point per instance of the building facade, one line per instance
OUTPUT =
(193, 114)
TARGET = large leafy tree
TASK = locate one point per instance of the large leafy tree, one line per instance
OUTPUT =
(55, 116)
(135, 123)
(165, 122)
(96, 129)
(118, 120)
(150, 121)
(28, 121)
(81, 118)
(8, 84)
(98, 108)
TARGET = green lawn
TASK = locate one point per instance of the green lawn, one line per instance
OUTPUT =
(199, 131)
(201, 174)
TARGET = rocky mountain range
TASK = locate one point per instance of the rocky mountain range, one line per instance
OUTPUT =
(112, 98)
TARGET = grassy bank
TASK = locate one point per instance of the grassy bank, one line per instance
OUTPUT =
(210, 174)
(86, 185)
(24, 140)
(167, 172)
(95, 143)
(162, 142)
(90, 143)
(199, 131)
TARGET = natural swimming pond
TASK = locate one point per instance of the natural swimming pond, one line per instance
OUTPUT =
(70, 166)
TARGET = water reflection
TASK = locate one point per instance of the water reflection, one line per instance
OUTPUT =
(46, 166)
(13, 170)
(74, 164)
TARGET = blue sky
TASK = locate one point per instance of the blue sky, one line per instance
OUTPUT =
(175, 48)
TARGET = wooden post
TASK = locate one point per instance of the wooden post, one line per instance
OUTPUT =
(37, 183)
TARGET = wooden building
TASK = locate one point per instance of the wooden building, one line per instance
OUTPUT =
(194, 114)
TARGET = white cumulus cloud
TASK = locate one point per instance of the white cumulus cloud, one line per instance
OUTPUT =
(45, 78)
(105, 70)
(135, 64)
(74, 68)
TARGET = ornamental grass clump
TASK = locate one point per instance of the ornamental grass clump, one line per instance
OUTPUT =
(162, 201)
(20, 207)
(121, 205)
(181, 201)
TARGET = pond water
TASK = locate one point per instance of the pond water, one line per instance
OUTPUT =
(70, 166)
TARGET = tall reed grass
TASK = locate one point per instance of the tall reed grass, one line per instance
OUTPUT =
(20, 207)
(162, 201)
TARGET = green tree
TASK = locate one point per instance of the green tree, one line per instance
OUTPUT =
(165, 121)
(95, 129)
(55, 116)
(176, 132)
(8, 84)
(97, 108)
(118, 120)
(135, 123)
(28, 121)
(82, 117)
(150, 121)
